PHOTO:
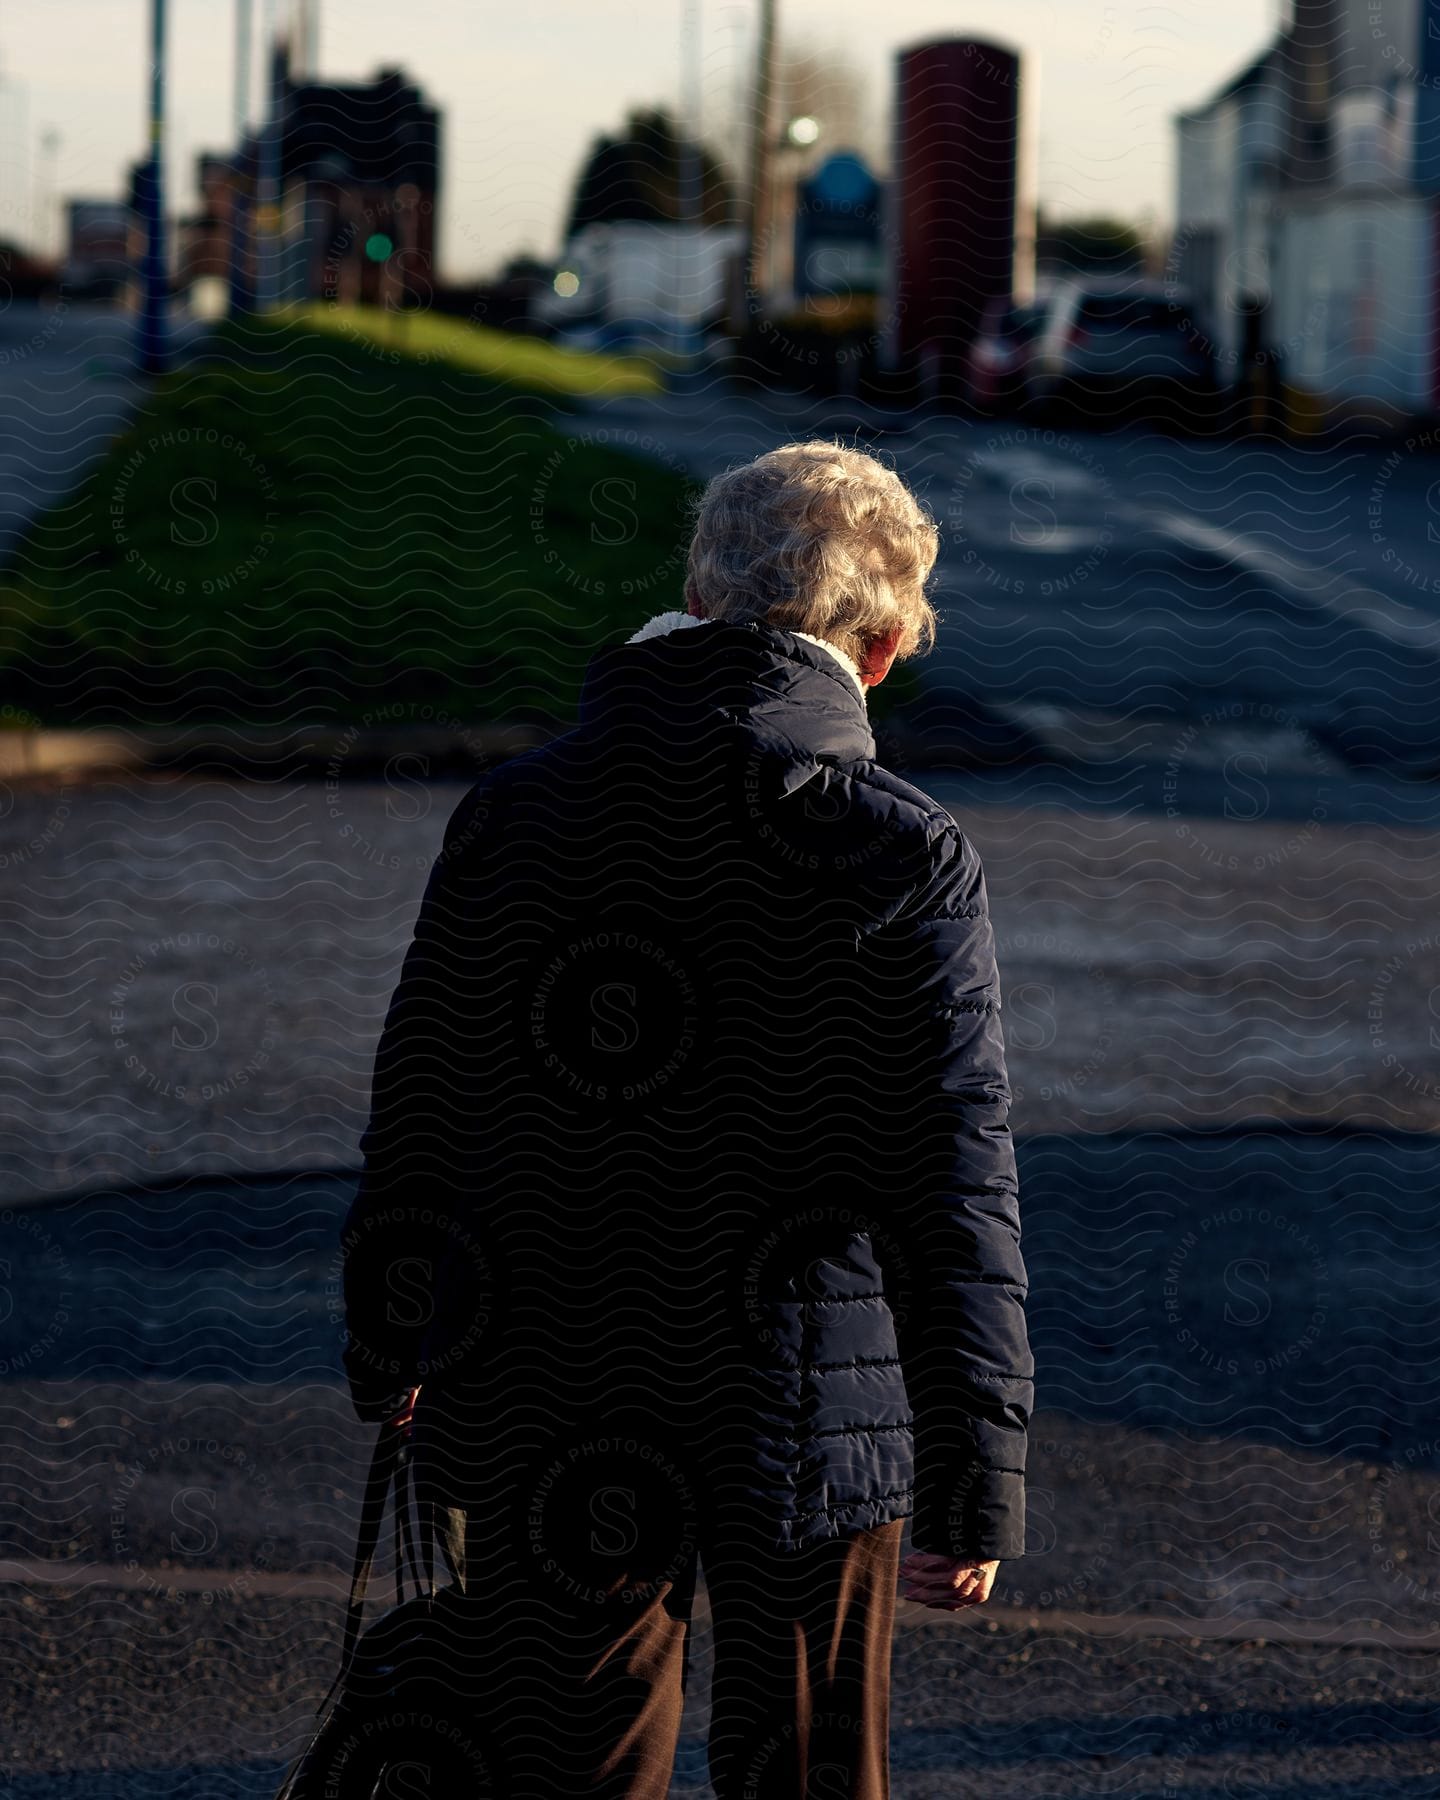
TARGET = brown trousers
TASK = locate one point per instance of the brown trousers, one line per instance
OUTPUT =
(582, 1543)
(800, 1701)
(588, 1697)
(583, 1606)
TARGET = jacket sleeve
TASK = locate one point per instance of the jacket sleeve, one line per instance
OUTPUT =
(964, 1344)
(393, 1238)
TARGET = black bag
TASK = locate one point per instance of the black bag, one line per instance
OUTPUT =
(399, 1716)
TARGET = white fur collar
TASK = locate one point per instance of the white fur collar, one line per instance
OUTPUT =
(666, 622)
(848, 664)
(663, 623)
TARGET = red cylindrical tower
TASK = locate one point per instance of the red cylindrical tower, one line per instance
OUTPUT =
(951, 206)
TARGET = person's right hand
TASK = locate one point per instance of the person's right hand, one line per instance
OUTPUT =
(944, 1582)
(404, 1420)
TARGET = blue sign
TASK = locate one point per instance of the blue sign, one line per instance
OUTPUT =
(838, 230)
(1430, 39)
(842, 181)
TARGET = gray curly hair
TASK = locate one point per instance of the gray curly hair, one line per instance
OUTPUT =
(817, 537)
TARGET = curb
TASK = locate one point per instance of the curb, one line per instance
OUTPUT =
(34, 754)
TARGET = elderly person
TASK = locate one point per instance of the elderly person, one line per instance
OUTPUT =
(689, 1199)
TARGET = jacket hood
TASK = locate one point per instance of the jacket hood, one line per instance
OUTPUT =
(677, 671)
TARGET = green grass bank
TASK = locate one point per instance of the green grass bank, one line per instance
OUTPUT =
(326, 516)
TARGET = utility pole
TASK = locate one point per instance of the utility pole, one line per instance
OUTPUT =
(46, 188)
(155, 280)
(305, 38)
(761, 145)
(20, 137)
(267, 199)
(242, 298)
(242, 68)
(690, 175)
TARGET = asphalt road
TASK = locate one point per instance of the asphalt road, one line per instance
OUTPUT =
(1179, 689)
(1228, 1590)
(195, 970)
(68, 383)
(1103, 590)
(1104, 593)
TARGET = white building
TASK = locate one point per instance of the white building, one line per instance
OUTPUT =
(1230, 161)
(1306, 216)
(628, 269)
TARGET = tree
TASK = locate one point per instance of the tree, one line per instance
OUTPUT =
(824, 84)
(1095, 246)
(647, 173)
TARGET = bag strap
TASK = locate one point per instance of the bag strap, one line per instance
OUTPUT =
(390, 1463)
(404, 1530)
(384, 1461)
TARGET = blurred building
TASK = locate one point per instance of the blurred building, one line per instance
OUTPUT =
(1308, 207)
(508, 301)
(354, 172)
(203, 238)
(624, 270)
(26, 275)
(360, 175)
(955, 213)
(99, 245)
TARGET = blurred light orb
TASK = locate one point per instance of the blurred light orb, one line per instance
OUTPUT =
(378, 246)
(567, 283)
(804, 130)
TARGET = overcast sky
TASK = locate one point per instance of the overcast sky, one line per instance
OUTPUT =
(524, 84)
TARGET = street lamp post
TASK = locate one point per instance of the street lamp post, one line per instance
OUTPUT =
(800, 134)
(155, 283)
(758, 209)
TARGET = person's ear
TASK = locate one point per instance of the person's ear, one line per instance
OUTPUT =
(879, 654)
(692, 604)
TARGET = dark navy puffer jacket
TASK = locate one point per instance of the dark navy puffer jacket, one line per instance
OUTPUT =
(691, 1109)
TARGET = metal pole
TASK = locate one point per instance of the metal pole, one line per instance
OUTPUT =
(242, 67)
(691, 160)
(242, 298)
(21, 135)
(154, 347)
(306, 37)
(760, 145)
(267, 199)
(45, 189)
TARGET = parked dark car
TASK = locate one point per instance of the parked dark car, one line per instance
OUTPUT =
(995, 364)
(1120, 342)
